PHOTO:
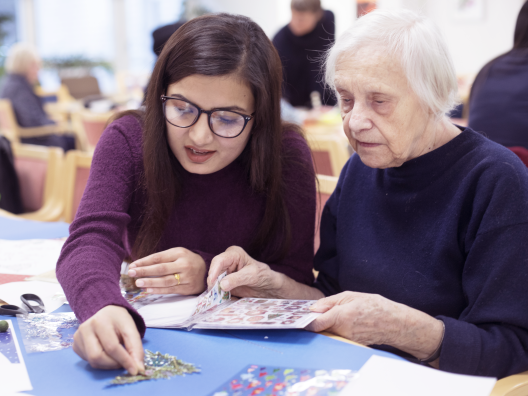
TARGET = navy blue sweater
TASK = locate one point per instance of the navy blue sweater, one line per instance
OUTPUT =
(447, 234)
(299, 56)
(499, 99)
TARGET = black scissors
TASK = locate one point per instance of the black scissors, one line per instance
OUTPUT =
(32, 304)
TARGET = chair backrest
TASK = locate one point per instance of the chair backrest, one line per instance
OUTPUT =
(39, 173)
(61, 95)
(325, 187)
(77, 170)
(521, 152)
(82, 87)
(8, 122)
(330, 153)
(92, 125)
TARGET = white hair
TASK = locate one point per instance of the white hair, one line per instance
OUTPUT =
(416, 42)
(20, 58)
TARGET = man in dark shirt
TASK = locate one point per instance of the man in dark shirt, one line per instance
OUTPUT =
(300, 44)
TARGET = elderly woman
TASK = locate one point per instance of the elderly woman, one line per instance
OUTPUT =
(424, 241)
(22, 66)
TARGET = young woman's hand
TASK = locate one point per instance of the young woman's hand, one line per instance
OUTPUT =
(110, 340)
(166, 267)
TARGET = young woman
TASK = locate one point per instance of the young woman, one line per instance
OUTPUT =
(207, 166)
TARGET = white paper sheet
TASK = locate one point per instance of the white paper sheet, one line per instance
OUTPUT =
(15, 377)
(385, 376)
(51, 293)
(168, 311)
(29, 257)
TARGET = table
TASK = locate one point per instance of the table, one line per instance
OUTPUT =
(14, 229)
(219, 353)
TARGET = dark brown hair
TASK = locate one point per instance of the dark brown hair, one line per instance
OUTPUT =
(306, 5)
(218, 45)
(520, 37)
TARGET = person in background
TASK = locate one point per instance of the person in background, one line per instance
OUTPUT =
(498, 104)
(162, 34)
(300, 43)
(423, 242)
(209, 164)
(22, 65)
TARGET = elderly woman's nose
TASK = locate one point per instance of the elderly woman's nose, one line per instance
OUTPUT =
(200, 133)
(358, 120)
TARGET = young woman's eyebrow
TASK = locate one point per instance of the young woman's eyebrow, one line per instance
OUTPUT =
(228, 108)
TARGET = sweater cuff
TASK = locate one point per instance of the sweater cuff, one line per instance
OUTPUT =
(461, 347)
(92, 292)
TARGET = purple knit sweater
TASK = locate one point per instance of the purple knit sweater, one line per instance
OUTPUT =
(214, 212)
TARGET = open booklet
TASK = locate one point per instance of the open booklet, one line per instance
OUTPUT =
(215, 309)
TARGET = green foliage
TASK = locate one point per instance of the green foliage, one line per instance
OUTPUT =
(75, 61)
(4, 18)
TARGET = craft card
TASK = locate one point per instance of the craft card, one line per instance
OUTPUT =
(258, 313)
(177, 311)
(285, 381)
(212, 297)
(12, 367)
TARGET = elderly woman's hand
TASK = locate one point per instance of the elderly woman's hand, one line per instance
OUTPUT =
(248, 277)
(173, 271)
(371, 319)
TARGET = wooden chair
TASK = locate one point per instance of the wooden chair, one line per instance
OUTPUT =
(62, 93)
(514, 385)
(10, 129)
(77, 170)
(91, 125)
(330, 153)
(39, 170)
(81, 87)
(325, 187)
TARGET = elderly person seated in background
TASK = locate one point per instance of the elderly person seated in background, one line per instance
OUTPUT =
(22, 65)
(424, 241)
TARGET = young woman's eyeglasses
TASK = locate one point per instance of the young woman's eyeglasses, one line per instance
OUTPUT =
(184, 114)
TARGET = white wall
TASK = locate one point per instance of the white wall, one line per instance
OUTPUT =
(472, 44)
(272, 15)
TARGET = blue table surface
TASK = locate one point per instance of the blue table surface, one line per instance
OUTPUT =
(14, 229)
(220, 354)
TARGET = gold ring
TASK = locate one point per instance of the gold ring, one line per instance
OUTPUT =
(177, 276)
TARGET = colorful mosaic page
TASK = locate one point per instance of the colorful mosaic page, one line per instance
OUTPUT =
(284, 381)
(253, 313)
(140, 298)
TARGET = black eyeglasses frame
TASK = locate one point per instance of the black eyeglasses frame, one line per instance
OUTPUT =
(247, 118)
